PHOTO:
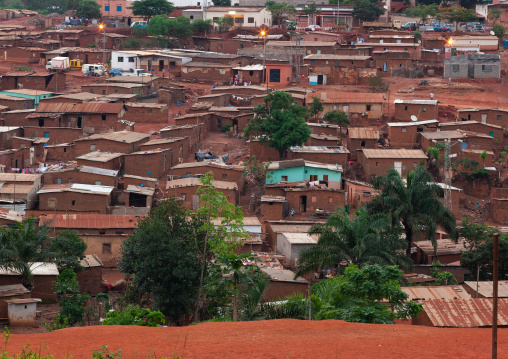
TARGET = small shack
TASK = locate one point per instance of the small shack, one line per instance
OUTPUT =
(22, 312)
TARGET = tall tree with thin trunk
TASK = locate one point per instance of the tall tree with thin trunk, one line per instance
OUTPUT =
(339, 118)
(414, 203)
(221, 225)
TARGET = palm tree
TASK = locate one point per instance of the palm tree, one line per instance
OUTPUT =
(24, 245)
(415, 204)
(364, 239)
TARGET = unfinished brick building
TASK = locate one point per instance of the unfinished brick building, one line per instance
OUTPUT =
(119, 141)
(185, 190)
(377, 162)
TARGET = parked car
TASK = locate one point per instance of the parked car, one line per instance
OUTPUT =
(116, 72)
(313, 28)
(409, 26)
(139, 24)
(478, 28)
(441, 28)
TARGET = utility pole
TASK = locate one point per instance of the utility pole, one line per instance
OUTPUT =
(495, 289)
(447, 176)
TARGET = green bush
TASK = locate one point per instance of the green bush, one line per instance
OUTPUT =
(135, 315)
(226, 128)
(479, 174)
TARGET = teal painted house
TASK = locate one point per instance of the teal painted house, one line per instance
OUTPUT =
(301, 170)
(35, 95)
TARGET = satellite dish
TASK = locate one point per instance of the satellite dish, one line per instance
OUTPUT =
(419, 41)
(492, 33)
(385, 7)
(414, 118)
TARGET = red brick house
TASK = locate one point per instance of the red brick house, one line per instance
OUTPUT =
(185, 190)
(377, 162)
(221, 171)
(359, 138)
(119, 141)
(149, 163)
(106, 160)
(423, 110)
(405, 134)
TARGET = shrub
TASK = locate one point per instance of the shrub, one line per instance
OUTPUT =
(135, 315)
(479, 174)
(226, 128)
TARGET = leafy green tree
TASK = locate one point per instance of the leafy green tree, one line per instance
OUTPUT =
(362, 239)
(377, 84)
(457, 14)
(442, 277)
(316, 107)
(499, 30)
(367, 10)
(422, 11)
(225, 23)
(135, 315)
(220, 224)
(180, 28)
(14, 4)
(358, 296)
(311, 10)
(479, 244)
(89, 9)
(201, 26)
(279, 123)
(339, 118)
(483, 156)
(280, 11)
(72, 303)
(70, 250)
(429, 2)
(415, 203)
(162, 255)
(495, 15)
(221, 2)
(22, 246)
(150, 8)
(72, 4)
(159, 26)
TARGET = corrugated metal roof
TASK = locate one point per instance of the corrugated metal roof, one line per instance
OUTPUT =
(416, 102)
(485, 289)
(113, 84)
(294, 228)
(78, 188)
(99, 156)
(90, 261)
(318, 149)
(8, 128)
(347, 97)
(13, 290)
(336, 57)
(300, 238)
(147, 191)
(118, 136)
(37, 268)
(212, 164)
(301, 43)
(439, 292)
(303, 163)
(367, 133)
(282, 275)
(415, 123)
(444, 247)
(191, 181)
(98, 171)
(465, 313)
(88, 107)
(460, 123)
(19, 177)
(267, 198)
(93, 221)
(393, 153)
(159, 141)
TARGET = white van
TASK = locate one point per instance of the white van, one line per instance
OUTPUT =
(140, 24)
(93, 70)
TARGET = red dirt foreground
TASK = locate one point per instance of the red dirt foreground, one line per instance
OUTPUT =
(267, 339)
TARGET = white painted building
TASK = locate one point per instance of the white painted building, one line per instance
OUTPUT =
(134, 59)
(244, 16)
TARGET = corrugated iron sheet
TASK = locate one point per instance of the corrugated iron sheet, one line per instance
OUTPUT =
(392, 153)
(88, 107)
(99, 221)
(485, 288)
(440, 292)
(366, 133)
(465, 313)
(347, 97)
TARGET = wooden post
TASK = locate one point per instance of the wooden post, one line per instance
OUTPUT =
(494, 296)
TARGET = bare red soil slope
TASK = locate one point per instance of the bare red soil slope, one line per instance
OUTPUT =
(268, 339)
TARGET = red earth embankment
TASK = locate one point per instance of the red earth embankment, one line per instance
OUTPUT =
(268, 339)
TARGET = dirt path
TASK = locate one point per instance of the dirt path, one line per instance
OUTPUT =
(269, 339)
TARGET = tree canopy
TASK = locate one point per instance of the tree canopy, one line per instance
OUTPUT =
(457, 14)
(221, 2)
(422, 11)
(339, 118)
(150, 8)
(416, 203)
(377, 84)
(89, 9)
(316, 107)
(357, 296)
(367, 10)
(165, 29)
(280, 11)
(279, 123)
(162, 255)
(362, 239)
(201, 26)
